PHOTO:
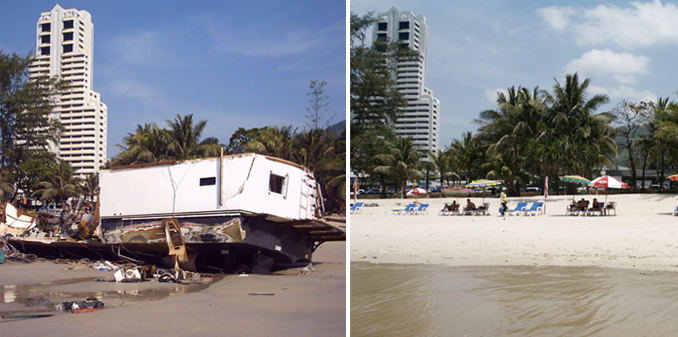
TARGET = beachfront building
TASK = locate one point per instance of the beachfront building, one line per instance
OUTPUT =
(64, 48)
(421, 118)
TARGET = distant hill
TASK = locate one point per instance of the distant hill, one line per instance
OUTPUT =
(338, 128)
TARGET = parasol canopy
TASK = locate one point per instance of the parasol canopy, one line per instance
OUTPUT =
(483, 183)
(673, 177)
(579, 180)
(417, 191)
(607, 182)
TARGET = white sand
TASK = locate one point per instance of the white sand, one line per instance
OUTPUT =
(643, 234)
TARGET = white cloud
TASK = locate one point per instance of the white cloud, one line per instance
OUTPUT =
(557, 17)
(258, 41)
(491, 94)
(642, 24)
(605, 62)
(134, 90)
(623, 92)
(138, 48)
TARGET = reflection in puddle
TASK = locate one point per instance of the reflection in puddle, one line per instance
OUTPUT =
(43, 297)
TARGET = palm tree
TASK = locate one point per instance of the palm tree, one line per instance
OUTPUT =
(184, 139)
(60, 183)
(149, 144)
(401, 163)
(443, 163)
(468, 154)
(586, 138)
(91, 185)
(273, 141)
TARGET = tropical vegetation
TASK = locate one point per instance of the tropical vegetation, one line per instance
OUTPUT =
(531, 134)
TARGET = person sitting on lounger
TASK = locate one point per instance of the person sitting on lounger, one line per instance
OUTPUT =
(453, 207)
(595, 205)
(581, 205)
(470, 206)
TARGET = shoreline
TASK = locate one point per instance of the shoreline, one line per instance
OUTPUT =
(641, 236)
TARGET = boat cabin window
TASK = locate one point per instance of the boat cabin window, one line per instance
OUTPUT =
(208, 181)
(276, 184)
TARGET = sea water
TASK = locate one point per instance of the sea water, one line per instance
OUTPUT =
(434, 300)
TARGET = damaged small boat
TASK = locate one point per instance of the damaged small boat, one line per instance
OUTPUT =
(236, 213)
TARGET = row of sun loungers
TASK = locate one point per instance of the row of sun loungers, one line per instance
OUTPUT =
(537, 207)
(605, 209)
(412, 209)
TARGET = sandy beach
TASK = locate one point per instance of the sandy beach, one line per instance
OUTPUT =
(642, 235)
(295, 303)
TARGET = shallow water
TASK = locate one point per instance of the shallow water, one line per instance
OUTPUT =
(435, 300)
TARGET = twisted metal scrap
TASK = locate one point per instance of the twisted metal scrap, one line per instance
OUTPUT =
(14, 254)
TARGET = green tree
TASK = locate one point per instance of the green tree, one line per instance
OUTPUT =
(586, 138)
(274, 141)
(90, 185)
(184, 139)
(318, 106)
(25, 110)
(148, 144)
(60, 183)
(443, 163)
(401, 163)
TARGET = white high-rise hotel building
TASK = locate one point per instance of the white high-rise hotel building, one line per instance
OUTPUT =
(64, 48)
(421, 118)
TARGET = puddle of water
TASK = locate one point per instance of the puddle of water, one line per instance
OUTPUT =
(43, 297)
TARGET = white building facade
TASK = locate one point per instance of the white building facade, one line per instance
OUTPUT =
(421, 118)
(64, 48)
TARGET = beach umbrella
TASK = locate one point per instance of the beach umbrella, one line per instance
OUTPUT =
(673, 177)
(417, 191)
(607, 182)
(483, 183)
(574, 179)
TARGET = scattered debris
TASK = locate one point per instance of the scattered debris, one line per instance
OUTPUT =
(89, 304)
(27, 316)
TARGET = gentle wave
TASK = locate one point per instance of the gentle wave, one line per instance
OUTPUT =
(434, 300)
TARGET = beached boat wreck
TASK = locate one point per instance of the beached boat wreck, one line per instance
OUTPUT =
(243, 212)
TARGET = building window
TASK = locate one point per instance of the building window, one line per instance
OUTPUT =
(45, 38)
(44, 51)
(405, 25)
(404, 46)
(68, 24)
(404, 36)
(46, 27)
(208, 181)
(68, 36)
(382, 26)
(276, 184)
(68, 48)
(381, 36)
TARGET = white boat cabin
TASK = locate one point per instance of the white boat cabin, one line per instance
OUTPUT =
(239, 184)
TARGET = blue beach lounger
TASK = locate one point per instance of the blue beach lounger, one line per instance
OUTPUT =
(357, 208)
(407, 209)
(537, 207)
(422, 208)
(519, 208)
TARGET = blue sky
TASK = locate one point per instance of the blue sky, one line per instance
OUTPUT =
(475, 48)
(235, 64)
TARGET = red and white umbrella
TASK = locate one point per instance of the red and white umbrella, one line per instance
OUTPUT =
(607, 182)
(417, 191)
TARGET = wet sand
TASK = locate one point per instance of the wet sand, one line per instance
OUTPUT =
(309, 304)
